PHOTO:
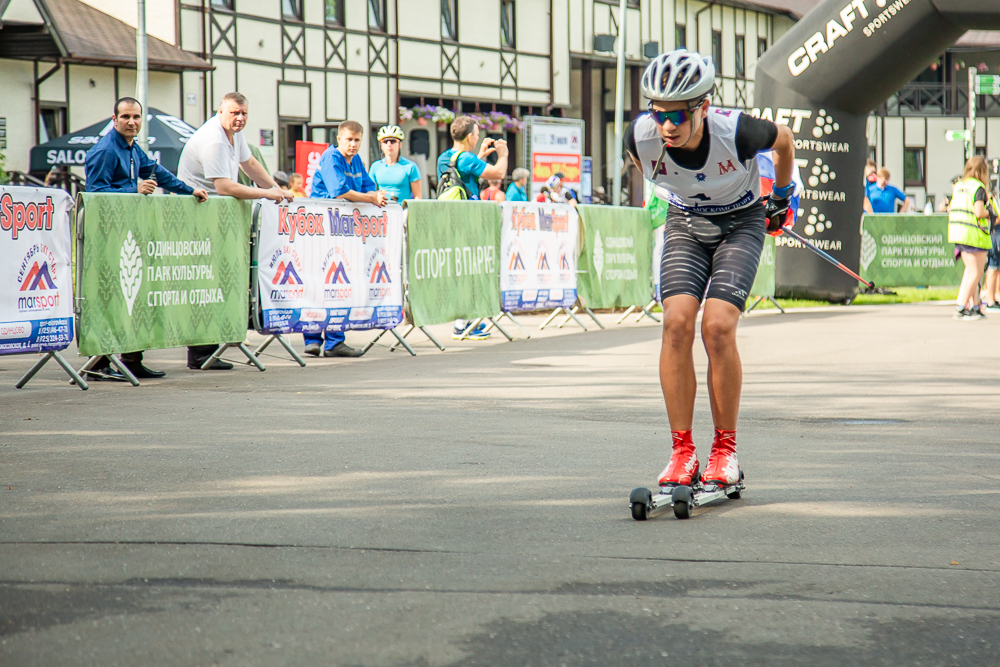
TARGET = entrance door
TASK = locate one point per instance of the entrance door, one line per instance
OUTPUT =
(290, 131)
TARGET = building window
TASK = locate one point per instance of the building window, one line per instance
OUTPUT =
(717, 51)
(335, 11)
(741, 52)
(222, 4)
(376, 14)
(913, 168)
(680, 36)
(507, 23)
(449, 19)
(761, 46)
(292, 9)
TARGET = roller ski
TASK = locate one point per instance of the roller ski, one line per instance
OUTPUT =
(680, 485)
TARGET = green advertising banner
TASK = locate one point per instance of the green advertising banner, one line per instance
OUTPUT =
(614, 264)
(452, 260)
(763, 284)
(901, 250)
(162, 271)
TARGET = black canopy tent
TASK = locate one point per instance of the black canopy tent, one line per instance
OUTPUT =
(167, 136)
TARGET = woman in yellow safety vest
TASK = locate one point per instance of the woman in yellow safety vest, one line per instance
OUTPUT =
(969, 230)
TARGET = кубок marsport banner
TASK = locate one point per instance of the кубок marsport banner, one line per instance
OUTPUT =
(327, 265)
(159, 271)
(538, 244)
(36, 281)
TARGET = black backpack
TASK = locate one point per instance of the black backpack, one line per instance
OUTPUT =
(450, 185)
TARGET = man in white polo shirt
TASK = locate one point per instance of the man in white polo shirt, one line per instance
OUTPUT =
(212, 159)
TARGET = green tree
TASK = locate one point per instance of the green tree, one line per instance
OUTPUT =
(3, 174)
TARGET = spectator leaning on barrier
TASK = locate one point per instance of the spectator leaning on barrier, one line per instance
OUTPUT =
(116, 164)
(342, 175)
(394, 173)
(969, 230)
(213, 158)
(883, 196)
(471, 167)
(493, 192)
(556, 194)
(517, 190)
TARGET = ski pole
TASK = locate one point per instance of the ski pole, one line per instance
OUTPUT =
(827, 257)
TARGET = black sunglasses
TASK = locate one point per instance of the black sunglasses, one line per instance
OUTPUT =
(677, 117)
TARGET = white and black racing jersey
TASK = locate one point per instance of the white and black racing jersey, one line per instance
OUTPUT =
(718, 181)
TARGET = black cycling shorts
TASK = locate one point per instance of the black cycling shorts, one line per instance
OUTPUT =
(718, 252)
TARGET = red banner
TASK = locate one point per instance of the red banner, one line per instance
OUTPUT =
(307, 154)
(546, 165)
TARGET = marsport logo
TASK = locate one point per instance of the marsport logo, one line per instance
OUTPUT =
(287, 280)
(516, 264)
(37, 275)
(379, 281)
(563, 262)
(335, 271)
(286, 275)
(130, 270)
(543, 261)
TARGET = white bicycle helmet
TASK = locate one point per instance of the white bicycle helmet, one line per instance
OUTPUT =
(678, 76)
(390, 131)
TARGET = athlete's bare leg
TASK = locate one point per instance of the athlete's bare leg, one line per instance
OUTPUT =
(677, 377)
(725, 371)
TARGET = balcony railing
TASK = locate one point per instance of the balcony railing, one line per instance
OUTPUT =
(937, 99)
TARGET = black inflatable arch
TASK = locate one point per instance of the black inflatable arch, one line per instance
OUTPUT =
(822, 78)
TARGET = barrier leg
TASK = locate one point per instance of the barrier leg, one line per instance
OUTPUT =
(252, 357)
(215, 355)
(500, 329)
(647, 312)
(263, 346)
(593, 316)
(116, 362)
(402, 341)
(549, 319)
(393, 347)
(433, 339)
(86, 368)
(626, 314)
(69, 371)
(756, 303)
(62, 362)
(284, 343)
(516, 324)
(571, 314)
(776, 304)
(289, 349)
(374, 340)
(475, 323)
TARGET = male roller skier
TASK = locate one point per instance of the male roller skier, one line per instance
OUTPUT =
(702, 160)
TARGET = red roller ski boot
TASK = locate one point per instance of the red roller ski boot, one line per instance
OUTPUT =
(723, 468)
(683, 466)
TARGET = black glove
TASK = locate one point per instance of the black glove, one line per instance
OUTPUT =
(776, 211)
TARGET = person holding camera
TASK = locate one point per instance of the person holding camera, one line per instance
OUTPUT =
(463, 158)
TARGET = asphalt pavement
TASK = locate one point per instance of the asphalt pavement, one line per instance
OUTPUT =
(471, 507)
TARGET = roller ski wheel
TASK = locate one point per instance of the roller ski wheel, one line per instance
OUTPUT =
(682, 498)
(641, 501)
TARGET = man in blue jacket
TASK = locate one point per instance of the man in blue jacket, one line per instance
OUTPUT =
(342, 175)
(117, 164)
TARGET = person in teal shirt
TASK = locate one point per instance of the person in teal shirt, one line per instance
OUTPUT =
(394, 173)
(517, 190)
